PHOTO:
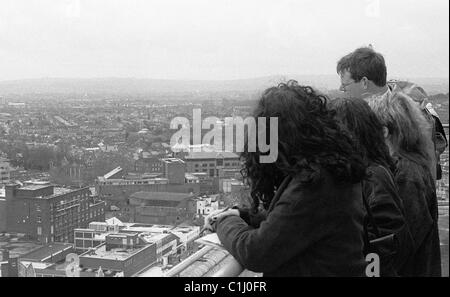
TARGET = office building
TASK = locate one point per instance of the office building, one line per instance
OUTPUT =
(48, 213)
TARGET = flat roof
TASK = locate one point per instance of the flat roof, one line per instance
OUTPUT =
(137, 227)
(211, 155)
(57, 191)
(151, 237)
(114, 254)
(161, 196)
(37, 182)
(34, 187)
(17, 248)
(45, 252)
(60, 191)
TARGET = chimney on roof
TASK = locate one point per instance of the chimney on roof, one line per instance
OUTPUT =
(10, 191)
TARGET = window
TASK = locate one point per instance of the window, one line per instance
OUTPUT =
(39, 230)
(78, 243)
(39, 219)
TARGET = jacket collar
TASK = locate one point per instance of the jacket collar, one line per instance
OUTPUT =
(280, 191)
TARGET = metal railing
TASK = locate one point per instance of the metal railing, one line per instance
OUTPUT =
(229, 267)
(188, 261)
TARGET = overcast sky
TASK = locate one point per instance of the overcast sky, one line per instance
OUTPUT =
(217, 39)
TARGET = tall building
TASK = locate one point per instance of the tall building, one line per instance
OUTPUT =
(174, 170)
(148, 165)
(2, 210)
(49, 213)
(4, 171)
(115, 187)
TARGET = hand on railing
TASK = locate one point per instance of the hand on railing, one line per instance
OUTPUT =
(229, 212)
(216, 215)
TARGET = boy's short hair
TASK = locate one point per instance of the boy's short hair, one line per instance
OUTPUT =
(365, 62)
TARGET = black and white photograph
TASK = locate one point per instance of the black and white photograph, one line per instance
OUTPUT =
(224, 143)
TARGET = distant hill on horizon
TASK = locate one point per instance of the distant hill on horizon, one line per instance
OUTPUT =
(129, 86)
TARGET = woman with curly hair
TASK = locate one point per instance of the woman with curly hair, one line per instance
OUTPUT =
(379, 189)
(311, 194)
(405, 131)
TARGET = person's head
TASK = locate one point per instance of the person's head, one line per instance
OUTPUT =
(310, 140)
(405, 127)
(363, 123)
(363, 72)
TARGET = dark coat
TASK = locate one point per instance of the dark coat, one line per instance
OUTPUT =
(308, 232)
(418, 193)
(381, 193)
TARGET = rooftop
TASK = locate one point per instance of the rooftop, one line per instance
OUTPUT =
(113, 172)
(211, 155)
(161, 196)
(172, 160)
(37, 182)
(34, 187)
(60, 191)
(148, 232)
(159, 229)
(16, 245)
(44, 253)
(113, 254)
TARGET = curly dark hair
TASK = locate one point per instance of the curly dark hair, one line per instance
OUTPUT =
(310, 140)
(363, 123)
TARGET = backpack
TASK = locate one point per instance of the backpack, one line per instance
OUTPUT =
(437, 132)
